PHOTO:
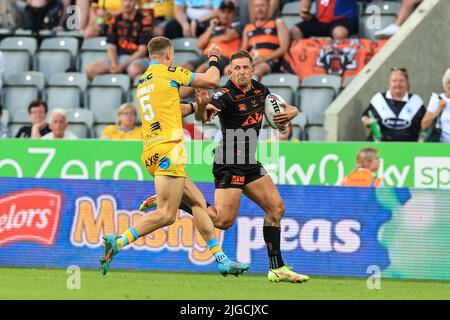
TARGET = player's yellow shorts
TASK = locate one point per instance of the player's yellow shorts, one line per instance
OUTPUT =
(166, 159)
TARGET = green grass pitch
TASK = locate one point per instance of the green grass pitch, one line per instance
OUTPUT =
(32, 283)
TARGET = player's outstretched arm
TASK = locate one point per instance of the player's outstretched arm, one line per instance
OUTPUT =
(210, 79)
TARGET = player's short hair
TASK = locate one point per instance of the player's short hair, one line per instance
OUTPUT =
(366, 154)
(122, 108)
(37, 103)
(241, 54)
(157, 46)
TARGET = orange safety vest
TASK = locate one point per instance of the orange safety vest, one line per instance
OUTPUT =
(263, 39)
(361, 178)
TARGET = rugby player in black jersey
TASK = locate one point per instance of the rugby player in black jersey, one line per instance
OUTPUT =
(240, 107)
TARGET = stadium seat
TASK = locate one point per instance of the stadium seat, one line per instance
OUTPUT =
(5, 117)
(185, 50)
(291, 21)
(185, 44)
(133, 98)
(385, 7)
(18, 120)
(120, 80)
(347, 81)
(65, 90)
(283, 84)
(6, 32)
(56, 55)
(298, 126)
(314, 99)
(17, 52)
(105, 95)
(72, 34)
(80, 122)
(22, 32)
(98, 129)
(92, 50)
(314, 133)
(45, 33)
(292, 8)
(20, 89)
(325, 80)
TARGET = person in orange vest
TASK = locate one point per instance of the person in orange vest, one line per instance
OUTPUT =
(368, 162)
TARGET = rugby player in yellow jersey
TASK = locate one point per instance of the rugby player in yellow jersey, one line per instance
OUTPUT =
(164, 154)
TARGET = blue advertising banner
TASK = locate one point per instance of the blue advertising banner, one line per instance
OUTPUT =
(325, 231)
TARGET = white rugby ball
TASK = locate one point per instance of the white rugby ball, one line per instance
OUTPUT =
(272, 107)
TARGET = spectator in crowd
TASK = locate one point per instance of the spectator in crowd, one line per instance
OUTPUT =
(274, 5)
(439, 110)
(4, 130)
(368, 163)
(398, 113)
(191, 18)
(126, 128)
(96, 16)
(266, 39)
(222, 31)
(335, 18)
(58, 126)
(407, 8)
(43, 14)
(283, 135)
(127, 38)
(37, 111)
(162, 12)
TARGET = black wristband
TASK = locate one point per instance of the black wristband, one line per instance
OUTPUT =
(192, 107)
(213, 64)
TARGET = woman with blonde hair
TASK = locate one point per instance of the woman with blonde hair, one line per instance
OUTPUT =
(125, 128)
(439, 110)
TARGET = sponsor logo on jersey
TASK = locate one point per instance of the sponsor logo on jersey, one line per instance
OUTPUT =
(148, 77)
(150, 161)
(155, 126)
(254, 118)
(164, 163)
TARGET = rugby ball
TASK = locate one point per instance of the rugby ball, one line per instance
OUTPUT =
(272, 107)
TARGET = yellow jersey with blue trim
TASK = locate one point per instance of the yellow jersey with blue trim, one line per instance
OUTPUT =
(159, 103)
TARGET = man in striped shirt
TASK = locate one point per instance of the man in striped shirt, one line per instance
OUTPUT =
(266, 39)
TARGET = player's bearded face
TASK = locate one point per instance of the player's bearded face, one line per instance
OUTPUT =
(241, 72)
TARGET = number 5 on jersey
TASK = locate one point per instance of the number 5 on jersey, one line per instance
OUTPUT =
(146, 108)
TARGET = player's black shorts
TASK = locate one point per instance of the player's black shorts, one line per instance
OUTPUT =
(237, 175)
(313, 28)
